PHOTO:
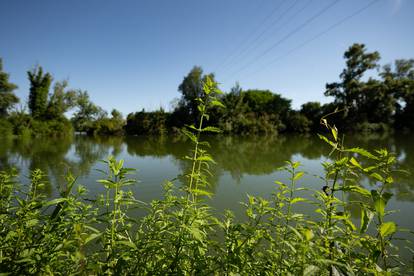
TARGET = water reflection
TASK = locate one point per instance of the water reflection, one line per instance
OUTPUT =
(236, 156)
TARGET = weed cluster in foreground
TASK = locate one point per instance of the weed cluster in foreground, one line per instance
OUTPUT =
(179, 235)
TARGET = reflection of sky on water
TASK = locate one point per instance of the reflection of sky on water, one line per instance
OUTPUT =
(245, 165)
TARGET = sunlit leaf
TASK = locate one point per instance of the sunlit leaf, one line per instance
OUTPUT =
(388, 228)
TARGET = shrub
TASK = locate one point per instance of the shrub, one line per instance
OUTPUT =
(179, 235)
(6, 128)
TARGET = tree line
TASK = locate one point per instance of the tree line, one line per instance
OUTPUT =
(367, 97)
(45, 111)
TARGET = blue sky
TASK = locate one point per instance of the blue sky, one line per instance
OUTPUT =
(133, 54)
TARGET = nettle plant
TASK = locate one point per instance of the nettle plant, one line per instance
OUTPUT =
(179, 235)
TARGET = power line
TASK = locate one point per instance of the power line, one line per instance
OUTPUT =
(253, 42)
(287, 36)
(254, 47)
(247, 38)
(318, 35)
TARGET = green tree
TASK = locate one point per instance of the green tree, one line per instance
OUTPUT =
(39, 90)
(358, 62)
(87, 112)
(191, 89)
(313, 112)
(348, 93)
(61, 100)
(116, 115)
(400, 82)
(7, 97)
(265, 101)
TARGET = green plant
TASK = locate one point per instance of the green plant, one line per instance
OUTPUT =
(180, 235)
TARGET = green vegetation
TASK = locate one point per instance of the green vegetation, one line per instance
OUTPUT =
(180, 235)
(378, 103)
(46, 115)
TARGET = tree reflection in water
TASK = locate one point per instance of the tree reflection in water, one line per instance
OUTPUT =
(236, 156)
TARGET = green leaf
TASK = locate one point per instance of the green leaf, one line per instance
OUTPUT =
(55, 201)
(308, 233)
(106, 183)
(334, 133)
(334, 145)
(379, 203)
(31, 223)
(366, 218)
(388, 228)
(129, 244)
(389, 180)
(189, 135)
(354, 162)
(217, 103)
(356, 189)
(197, 234)
(362, 152)
(295, 164)
(311, 270)
(377, 176)
(211, 129)
(298, 176)
(201, 192)
(297, 199)
(92, 237)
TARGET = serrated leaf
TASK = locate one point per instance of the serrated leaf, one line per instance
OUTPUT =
(311, 270)
(129, 244)
(366, 218)
(217, 103)
(297, 199)
(211, 129)
(334, 145)
(354, 162)
(377, 176)
(298, 176)
(201, 192)
(357, 189)
(334, 133)
(91, 237)
(388, 228)
(55, 201)
(362, 152)
(308, 233)
(189, 135)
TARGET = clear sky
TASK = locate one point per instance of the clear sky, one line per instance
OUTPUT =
(133, 54)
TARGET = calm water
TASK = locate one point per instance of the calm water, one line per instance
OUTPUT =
(245, 165)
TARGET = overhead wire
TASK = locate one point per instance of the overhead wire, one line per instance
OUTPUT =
(313, 38)
(287, 36)
(248, 37)
(245, 50)
(254, 47)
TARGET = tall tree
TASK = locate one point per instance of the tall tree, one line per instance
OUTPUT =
(400, 82)
(39, 90)
(357, 63)
(191, 89)
(7, 97)
(61, 100)
(348, 93)
(87, 112)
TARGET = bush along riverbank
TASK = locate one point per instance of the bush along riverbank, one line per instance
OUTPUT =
(180, 235)
(380, 103)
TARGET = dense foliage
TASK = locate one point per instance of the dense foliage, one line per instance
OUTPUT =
(7, 98)
(374, 104)
(47, 111)
(368, 102)
(180, 235)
